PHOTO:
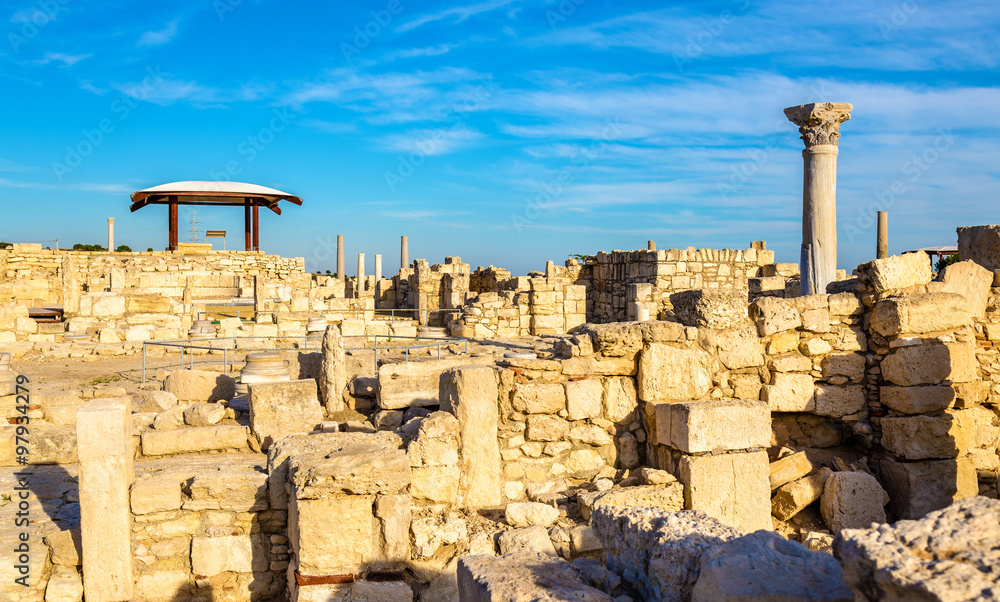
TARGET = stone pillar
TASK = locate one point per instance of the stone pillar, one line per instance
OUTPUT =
(378, 267)
(819, 124)
(71, 289)
(333, 375)
(341, 267)
(111, 234)
(104, 446)
(260, 301)
(471, 394)
(360, 283)
(404, 252)
(650, 245)
(882, 242)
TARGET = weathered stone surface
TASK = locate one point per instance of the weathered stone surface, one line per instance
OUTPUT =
(158, 494)
(409, 384)
(895, 272)
(774, 315)
(590, 434)
(238, 489)
(673, 373)
(583, 463)
(792, 498)
(198, 385)
(947, 556)
(766, 566)
(204, 414)
(790, 362)
(918, 314)
(845, 304)
(333, 370)
(815, 347)
(430, 533)
(947, 435)
(523, 576)
(193, 440)
(283, 408)
(395, 514)
(740, 347)
(852, 500)
(851, 365)
(971, 281)
(704, 426)
(321, 550)
(931, 364)
(380, 591)
(530, 514)
(790, 468)
(656, 551)
(158, 401)
(804, 430)
(617, 339)
(471, 394)
(526, 539)
(539, 399)
(732, 487)
(918, 400)
(439, 484)
(354, 463)
(980, 244)
(546, 428)
(583, 539)
(917, 488)
(583, 399)
(714, 308)
(836, 401)
(64, 585)
(790, 392)
(213, 555)
(620, 398)
(65, 548)
(50, 445)
(668, 497)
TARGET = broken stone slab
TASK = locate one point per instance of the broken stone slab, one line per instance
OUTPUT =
(930, 364)
(704, 426)
(923, 437)
(917, 488)
(919, 314)
(658, 552)
(157, 494)
(158, 401)
(65, 547)
(790, 468)
(852, 500)
(283, 408)
(523, 576)
(766, 566)
(347, 547)
(526, 539)
(236, 489)
(407, 384)
(773, 315)
(837, 401)
(199, 385)
(669, 497)
(194, 440)
(733, 488)
(971, 281)
(672, 373)
(714, 308)
(530, 514)
(790, 393)
(740, 347)
(583, 398)
(980, 244)
(353, 464)
(946, 556)
(918, 400)
(896, 272)
(204, 414)
(792, 498)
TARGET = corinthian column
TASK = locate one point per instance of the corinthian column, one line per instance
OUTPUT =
(819, 124)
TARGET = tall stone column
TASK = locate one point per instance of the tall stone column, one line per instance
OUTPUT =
(404, 252)
(333, 376)
(882, 242)
(378, 267)
(361, 271)
(111, 234)
(341, 268)
(819, 124)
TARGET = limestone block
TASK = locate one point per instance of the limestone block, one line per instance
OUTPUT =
(546, 428)
(792, 498)
(356, 463)
(241, 489)
(948, 555)
(774, 315)
(852, 500)
(816, 320)
(836, 401)
(851, 365)
(845, 304)
(148, 304)
(947, 435)
(409, 384)
(381, 591)
(790, 362)
(471, 394)
(204, 414)
(704, 426)
(668, 497)
(815, 347)
(168, 584)
(740, 347)
(917, 314)
(917, 488)
(583, 463)
(430, 533)
(158, 401)
(198, 385)
(333, 372)
(158, 494)
(526, 539)
(439, 484)
(322, 550)
(523, 576)
(539, 399)
(394, 513)
(918, 400)
(896, 272)
(65, 547)
(213, 555)
(106, 305)
(672, 373)
(283, 408)
(620, 398)
(583, 399)
(169, 419)
(766, 566)
(804, 430)
(193, 440)
(590, 434)
(352, 328)
(65, 585)
(732, 487)
(790, 393)
(530, 514)
(980, 244)
(971, 281)
(790, 468)
(584, 539)
(931, 364)
(714, 308)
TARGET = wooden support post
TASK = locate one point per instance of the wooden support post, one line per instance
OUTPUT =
(256, 227)
(172, 224)
(247, 223)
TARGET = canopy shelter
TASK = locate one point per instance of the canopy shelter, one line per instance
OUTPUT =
(248, 196)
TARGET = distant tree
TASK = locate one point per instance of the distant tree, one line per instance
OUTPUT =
(149, 250)
(124, 249)
(5, 245)
(328, 272)
(83, 247)
(946, 261)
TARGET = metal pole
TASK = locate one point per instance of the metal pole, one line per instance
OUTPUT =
(143, 361)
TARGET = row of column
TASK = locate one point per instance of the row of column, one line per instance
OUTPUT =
(404, 259)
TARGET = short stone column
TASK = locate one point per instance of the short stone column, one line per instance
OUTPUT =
(104, 445)
(882, 240)
(378, 267)
(650, 245)
(471, 394)
(341, 267)
(819, 124)
(333, 376)
(404, 252)
(111, 234)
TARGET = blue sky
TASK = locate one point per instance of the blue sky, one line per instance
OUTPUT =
(504, 131)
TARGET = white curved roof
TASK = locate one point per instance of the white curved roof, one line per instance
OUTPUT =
(212, 193)
(236, 188)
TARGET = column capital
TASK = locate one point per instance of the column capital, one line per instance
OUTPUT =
(820, 122)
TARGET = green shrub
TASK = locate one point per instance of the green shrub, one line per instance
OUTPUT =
(946, 261)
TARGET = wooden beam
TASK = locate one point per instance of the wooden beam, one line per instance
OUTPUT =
(247, 223)
(256, 227)
(172, 224)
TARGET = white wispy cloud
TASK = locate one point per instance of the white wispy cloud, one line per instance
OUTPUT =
(456, 14)
(171, 91)
(161, 36)
(83, 186)
(432, 141)
(67, 60)
(409, 53)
